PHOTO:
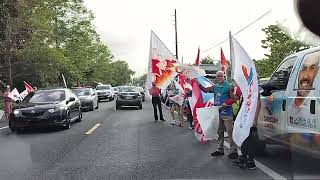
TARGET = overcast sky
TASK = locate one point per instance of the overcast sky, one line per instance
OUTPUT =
(125, 25)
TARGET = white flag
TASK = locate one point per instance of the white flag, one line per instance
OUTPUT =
(245, 75)
(24, 93)
(15, 95)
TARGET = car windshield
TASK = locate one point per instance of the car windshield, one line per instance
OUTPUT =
(82, 92)
(103, 88)
(46, 96)
(128, 89)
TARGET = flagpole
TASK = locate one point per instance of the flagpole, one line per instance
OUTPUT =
(64, 81)
(231, 56)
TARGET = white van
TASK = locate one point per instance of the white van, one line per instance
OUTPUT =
(290, 103)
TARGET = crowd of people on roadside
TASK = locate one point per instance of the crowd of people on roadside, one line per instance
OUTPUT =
(228, 98)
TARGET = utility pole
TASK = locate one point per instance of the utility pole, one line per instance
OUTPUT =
(176, 33)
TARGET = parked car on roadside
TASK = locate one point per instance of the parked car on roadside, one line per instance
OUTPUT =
(129, 96)
(88, 97)
(104, 92)
(42, 108)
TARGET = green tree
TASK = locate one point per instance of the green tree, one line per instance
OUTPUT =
(140, 81)
(279, 45)
(121, 73)
(54, 37)
(206, 60)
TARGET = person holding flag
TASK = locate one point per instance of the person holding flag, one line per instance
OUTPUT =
(154, 91)
(222, 97)
(251, 144)
(7, 102)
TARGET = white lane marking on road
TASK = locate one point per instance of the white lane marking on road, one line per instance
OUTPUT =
(262, 167)
(4, 127)
(93, 128)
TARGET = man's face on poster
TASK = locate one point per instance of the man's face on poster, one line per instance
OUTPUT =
(308, 73)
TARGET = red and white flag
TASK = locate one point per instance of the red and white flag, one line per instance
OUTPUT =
(24, 94)
(28, 87)
(162, 64)
(196, 102)
(223, 62)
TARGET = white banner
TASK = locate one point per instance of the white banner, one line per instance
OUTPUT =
(15, 95)
(245, 75)
(208, 118)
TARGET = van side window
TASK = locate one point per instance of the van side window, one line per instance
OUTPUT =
(280, 78)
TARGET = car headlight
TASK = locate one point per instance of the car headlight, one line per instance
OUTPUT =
(88, 99)
(16, 112)
(56, 109)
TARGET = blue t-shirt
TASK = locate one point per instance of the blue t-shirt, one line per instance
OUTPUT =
(221, 93)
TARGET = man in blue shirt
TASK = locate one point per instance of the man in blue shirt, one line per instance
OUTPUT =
(222, 98)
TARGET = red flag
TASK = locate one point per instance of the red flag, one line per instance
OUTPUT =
(223, 62)
(198, 57)
(28, 87)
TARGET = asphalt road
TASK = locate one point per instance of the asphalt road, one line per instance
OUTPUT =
(127, 144)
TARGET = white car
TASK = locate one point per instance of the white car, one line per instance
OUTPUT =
(105, 92)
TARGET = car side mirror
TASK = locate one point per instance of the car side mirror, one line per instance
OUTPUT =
(266, 89)
(71, 99)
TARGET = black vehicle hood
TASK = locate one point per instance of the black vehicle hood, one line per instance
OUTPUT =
(27, 105)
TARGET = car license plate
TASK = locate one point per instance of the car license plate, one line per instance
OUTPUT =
(128, 97)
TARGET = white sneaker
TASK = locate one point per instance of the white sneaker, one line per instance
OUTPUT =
(174, 122)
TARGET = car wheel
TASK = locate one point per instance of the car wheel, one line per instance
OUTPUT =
(80, 115)
(68, 123)
(140, 106)
(11, 127)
